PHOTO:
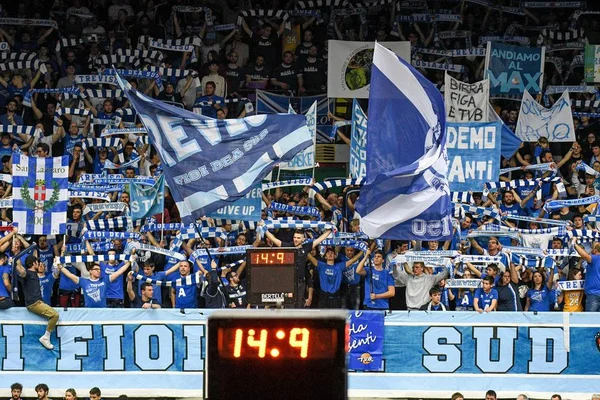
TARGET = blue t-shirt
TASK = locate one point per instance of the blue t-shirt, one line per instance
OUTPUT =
(330, 276)
(65, 283)
(94, 292)
(592, 277)
(485, 299)
(381, 280)
(46, 256)
(464, 303)
(350, 275)
(185, 296)
(46, 284)
(4, 269)
(115, 288)
(539, 300)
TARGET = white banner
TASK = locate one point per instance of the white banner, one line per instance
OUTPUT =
(349, 66)
(306, 158)
(466, 102)
(555, 124)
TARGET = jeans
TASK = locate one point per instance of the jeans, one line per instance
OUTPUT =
(592, 303)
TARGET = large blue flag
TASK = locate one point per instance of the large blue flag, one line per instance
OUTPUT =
(209, 163)
(40, 194)
(406, 194)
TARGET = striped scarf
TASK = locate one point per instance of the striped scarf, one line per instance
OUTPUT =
(355, 244)
(95, 188)
(461, 197)
(170, 72)
(478, 259)
(112, 223)
(105, 207)
(190, 280)
(142, 54)
(556, 204)
(320, 186)
(94, 258)
(89, 195)
(545, 221)
(110, 235)
(288, 183)
(291, 224)
(463, 283)
(528, 182)
(126, 131)
(297, 210)
(220, 251)
(16, 129)
(165, 252)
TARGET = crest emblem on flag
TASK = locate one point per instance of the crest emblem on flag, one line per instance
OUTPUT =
(39, 203)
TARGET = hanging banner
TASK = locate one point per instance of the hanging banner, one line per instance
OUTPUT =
(248, 208)
(466, 102)
(473, 154)
(555, 124)
(306, 158)
(366, 341)
(349, 66)
(512, 70)
(592, 63)
(358, 142)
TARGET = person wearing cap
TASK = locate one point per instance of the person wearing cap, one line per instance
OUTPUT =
(33, 296)
(330, 277)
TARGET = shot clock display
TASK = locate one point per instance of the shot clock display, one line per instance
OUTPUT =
(276, 354)
(294, 342)
(272, 275)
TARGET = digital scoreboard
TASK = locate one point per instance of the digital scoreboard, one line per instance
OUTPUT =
(276, 354)
(272, 275)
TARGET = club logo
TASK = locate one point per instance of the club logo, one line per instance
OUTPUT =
(39, 202)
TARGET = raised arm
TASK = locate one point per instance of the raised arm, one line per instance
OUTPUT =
(323, 236)
(68, 274)
(582, 253)
(360, 269)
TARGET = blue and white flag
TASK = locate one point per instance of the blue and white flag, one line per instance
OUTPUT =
(358, 142)
(306, 158)
(271, 103)
(474, 154)
(40, 194)
(512, 70)
(210, 163)
(147, 201)
(406, 195)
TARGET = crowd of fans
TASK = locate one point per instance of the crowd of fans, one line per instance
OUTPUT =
(288, 56)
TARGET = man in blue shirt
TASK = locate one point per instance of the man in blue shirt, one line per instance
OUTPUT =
(96, 286)
(5, 285)
(210, 96)
(330, 277)
(592, 276)
(379, 283)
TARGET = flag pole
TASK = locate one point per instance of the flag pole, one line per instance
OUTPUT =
(162, 222)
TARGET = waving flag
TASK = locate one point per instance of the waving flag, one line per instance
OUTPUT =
(147, 201)
(358, 142)
(306, 158)
(209, 163)
(40, 194)
(406, 195)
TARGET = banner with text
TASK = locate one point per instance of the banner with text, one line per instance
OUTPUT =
(473, 154)
(555, 124)
(512, 70)
(248, 208)
(358, 142)
(366, 341)
(592, 63)
(349, 66)
(466, 102)
(425, 353)
(306, 158)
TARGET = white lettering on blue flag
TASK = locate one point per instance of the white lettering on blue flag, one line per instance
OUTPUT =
(147, 201)
(358, 142)
(473, 153)
(306, 158)
(210, 163)
(248, 208)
